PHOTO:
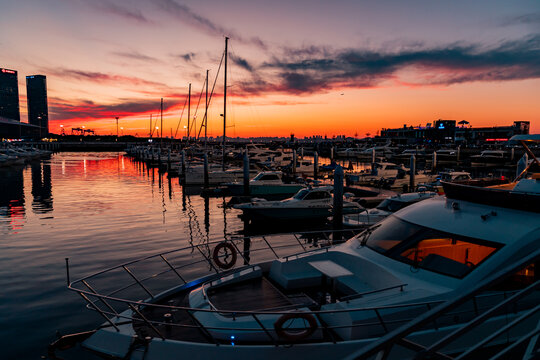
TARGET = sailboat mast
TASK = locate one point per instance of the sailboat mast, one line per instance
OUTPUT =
(188, 112)
(150, 128)
(225, 104)
(206, 113)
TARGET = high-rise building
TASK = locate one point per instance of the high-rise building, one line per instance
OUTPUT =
(36, 93)
(9, 95)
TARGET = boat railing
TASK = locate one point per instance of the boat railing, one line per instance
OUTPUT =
(196, 265)
(519, 326)
(359, 295)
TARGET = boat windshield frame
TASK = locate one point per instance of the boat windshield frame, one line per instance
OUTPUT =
(301, 194)
(385, 205)
(410, 235)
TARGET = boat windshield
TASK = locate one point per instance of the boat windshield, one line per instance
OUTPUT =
(391, 205)
(425, 248)
(300, 195)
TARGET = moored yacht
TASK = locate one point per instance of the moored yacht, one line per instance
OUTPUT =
(490, 158)
(385, 208)
(309, 203)
(265, 183)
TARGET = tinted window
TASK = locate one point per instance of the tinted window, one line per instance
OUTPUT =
(300, 195)
(425, 248)
(316, 195)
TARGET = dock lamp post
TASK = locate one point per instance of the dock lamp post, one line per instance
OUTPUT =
(40, 132)
(122, 128)
(116, 127)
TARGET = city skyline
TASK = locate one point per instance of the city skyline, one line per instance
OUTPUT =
(299, 67)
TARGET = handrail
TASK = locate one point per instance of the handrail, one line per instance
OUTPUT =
(387, 322)
(215, 242)
(385, 343)
(246, 312)
(359, 295)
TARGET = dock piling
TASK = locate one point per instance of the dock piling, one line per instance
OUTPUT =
(168, 160)
(294, 160)
(246, 173)
(337, 210)
(315, 164)
(205, 171)
(412, 172)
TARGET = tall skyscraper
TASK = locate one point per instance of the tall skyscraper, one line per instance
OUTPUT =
(9, 95)
(38, 112)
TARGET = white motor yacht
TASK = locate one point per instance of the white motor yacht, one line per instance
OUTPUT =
(215, 176)
(386, 208)
(379, 170)
(490, 158)
(308, 203)
(265, 183)
(329, 302)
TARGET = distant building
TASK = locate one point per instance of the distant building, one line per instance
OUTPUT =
(13, 129)
(491, 134)
(9, 95)
(448, 132)
(36, 92)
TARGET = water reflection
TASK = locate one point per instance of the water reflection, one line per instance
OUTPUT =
(41, 187)
(12, 197)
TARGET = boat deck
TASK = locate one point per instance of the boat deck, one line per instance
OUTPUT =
(252, 295)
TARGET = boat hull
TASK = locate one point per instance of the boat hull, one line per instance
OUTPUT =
(261, 190)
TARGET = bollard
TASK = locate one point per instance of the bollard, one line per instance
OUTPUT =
(246, 173)
(205, 172)
(373, 157)
(302, 152)
(412, 172)
(337, 210)
(315, 165)
(332, 153)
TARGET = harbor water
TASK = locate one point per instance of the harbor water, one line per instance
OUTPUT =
(98, 209)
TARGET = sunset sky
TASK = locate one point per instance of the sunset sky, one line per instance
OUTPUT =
(295, 66)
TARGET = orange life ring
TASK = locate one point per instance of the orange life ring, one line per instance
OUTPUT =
(296, 335)
(219, 262)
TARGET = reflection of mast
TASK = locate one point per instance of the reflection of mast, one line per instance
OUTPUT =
(41, 188)
(207, 216)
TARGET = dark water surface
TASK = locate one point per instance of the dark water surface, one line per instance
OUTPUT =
(98, 209)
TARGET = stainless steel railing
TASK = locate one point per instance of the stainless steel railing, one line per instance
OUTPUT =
(192, 266)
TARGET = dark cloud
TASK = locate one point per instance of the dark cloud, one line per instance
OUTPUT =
(99, 77)
(314, 70)
(525, 19)
(241, 62)
(62, 109)
(187, 57)
(134, 55)
(188, 16)
(126, 12)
